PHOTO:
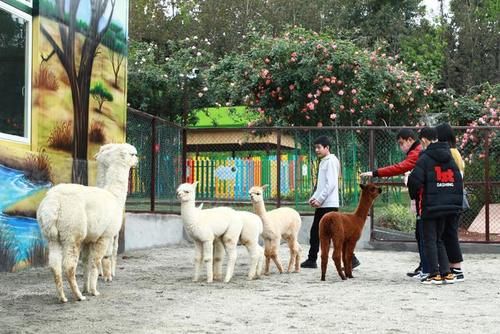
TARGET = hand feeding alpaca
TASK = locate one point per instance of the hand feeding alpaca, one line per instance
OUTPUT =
(344, 230)
(278, 223)
(205, 226)
(72, 215)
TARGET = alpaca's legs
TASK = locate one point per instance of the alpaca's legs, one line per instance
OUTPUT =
(275, 245)
(106, 265)
(337, 256)
(114, 256)
(208, 251)
(255, 252)
(71, 253)
(297, 255)
(261, 261)
(97, 251)
(294, 254)
(86, 267)
(218, 258)
(198, 258)
(267, 254)
(55, 264)
(325, 249)
(230, 246)
(350, 251)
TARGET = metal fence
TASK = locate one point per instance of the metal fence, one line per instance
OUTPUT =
(227, 162)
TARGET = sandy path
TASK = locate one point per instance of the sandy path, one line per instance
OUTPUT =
(153, 293)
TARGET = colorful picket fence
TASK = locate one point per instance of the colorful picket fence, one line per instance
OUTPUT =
(231, 178)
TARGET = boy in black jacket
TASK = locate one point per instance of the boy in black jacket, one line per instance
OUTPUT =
(436, 185)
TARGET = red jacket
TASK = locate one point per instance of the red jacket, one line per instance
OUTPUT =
(401, 167)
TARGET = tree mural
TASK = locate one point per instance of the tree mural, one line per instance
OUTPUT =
(78, 67)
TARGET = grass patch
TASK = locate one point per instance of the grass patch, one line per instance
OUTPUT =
(61, 136)
(46, 79)
(38, 253)
(37, 167)
(396, 217)
(7, 250)
(96, 134)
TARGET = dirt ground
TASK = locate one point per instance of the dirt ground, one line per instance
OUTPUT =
(153, 293)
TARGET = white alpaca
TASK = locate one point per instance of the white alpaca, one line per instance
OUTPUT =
(107, 267)
(204, 226)
(278, 223)
(252, 229)
(72, 215)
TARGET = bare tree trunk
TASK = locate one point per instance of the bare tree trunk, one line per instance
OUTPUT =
(79, 76)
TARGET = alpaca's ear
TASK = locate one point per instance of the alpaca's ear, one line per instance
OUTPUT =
(195, 183)
(362, 186)
(264, 186)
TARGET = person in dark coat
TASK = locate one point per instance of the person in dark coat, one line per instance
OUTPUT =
(437, 187)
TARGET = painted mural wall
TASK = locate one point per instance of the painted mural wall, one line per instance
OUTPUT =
(77, 74)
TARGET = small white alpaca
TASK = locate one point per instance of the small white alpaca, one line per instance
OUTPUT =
(72, 215)
(278, 223)
(252, 229)
(204, 226)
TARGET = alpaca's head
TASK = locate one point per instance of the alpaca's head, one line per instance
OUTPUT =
(257, 193)
(111, 154)
(186, 192)
(370, 190)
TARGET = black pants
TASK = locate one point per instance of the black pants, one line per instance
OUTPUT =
(450, 238)
(435, 251)
(314, 236)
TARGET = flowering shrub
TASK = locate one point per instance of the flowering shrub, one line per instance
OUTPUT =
(478, 109)
(304, 78)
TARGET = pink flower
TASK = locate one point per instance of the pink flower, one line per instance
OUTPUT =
(294, 54)
(368, 122)
(354, 91)
(310, 105)
(263, 73)
(325, 88)
(309, 96)
(291, 87)
(340, 92)
(391, 106)
(319, 125)
(333, 116)
(316, 101)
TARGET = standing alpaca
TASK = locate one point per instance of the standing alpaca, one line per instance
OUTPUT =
(252, 228)
(344, 229)
(107, 268)
(278, 223)
(204, 226)
(72, 215)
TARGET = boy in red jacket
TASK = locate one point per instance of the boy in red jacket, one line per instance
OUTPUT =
(408, 143)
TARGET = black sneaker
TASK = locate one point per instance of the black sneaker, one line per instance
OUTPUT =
(355, 262)
(415, 272)
(459, 274)
(309, 264)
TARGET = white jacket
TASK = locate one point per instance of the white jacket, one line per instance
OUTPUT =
(327, 189)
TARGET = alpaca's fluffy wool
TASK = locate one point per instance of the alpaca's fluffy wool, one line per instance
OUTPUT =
(279, 223)
(71, 216)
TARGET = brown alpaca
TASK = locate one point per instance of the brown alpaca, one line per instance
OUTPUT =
(344, 230)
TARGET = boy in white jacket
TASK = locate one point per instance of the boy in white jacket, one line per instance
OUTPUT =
(326, 196)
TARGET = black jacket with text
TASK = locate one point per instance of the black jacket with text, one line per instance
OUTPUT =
(436, 182)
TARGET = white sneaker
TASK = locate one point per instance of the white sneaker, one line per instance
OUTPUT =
(421, 276)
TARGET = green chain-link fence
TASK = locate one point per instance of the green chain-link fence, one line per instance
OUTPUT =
(227, 162)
